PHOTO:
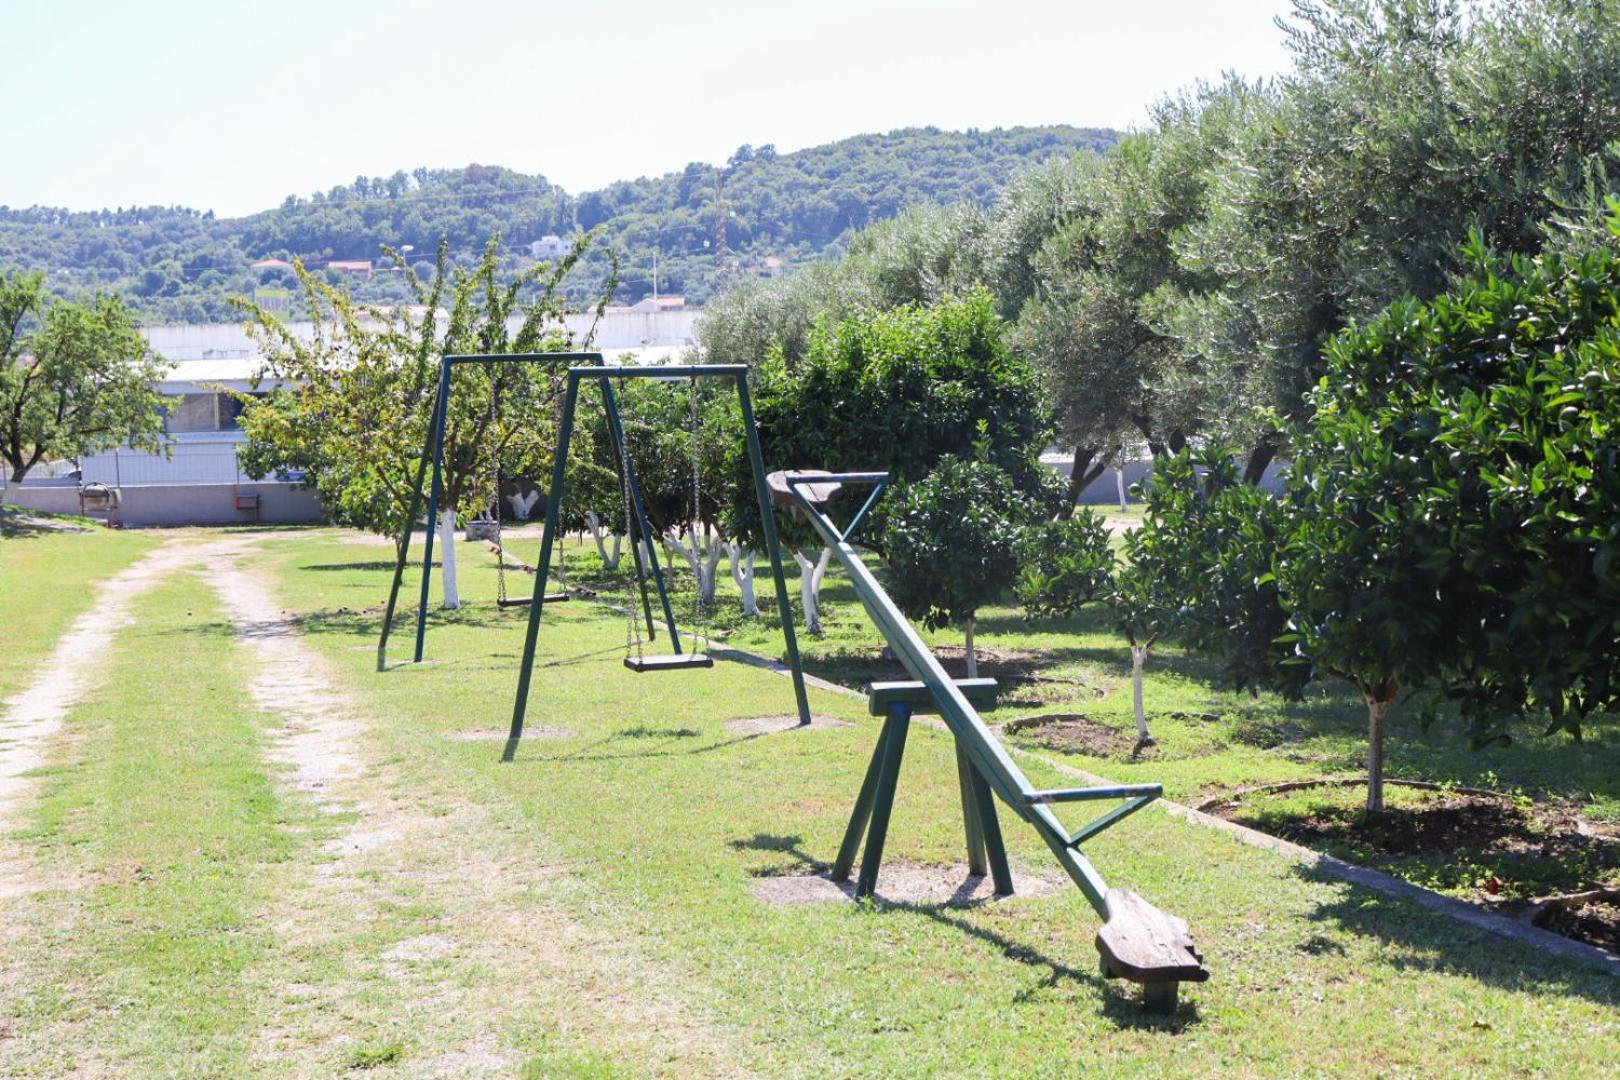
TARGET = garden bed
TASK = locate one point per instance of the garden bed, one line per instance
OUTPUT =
(1510, 853)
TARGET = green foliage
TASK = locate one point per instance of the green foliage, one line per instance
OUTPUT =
(1063, 564)
(901, 390)
(364, 384)
(1457, 495)
(1403, 125)
(181, 265)
(949, 540)
(74, 377)
(1211, 542)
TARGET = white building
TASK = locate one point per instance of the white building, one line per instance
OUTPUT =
(206, 361)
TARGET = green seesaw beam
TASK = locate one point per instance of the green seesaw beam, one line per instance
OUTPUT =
(1137, 941)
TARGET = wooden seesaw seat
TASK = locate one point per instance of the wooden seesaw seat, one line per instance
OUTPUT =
(1148, 946)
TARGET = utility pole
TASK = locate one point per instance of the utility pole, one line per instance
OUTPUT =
(722, 250)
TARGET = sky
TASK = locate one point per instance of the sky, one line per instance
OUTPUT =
(231, 106)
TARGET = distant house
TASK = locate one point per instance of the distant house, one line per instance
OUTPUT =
(549, 246)
(351, 266)
(658, 303)
(271, 264)
(772, 265)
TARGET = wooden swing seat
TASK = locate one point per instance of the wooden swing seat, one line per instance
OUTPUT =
(524, 601)
(668, 662)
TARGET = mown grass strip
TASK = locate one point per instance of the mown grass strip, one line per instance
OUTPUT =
(163, 818)
(47, 578)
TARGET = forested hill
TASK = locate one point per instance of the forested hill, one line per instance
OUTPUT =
(176, 264)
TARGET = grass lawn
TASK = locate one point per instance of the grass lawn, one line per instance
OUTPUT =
(47, 577)
(667, 821)
(594, 908)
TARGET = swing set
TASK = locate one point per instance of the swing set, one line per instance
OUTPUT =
(636, 658)
(433, 455)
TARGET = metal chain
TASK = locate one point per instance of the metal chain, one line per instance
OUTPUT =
(495, 475)
(700, 609)
(632, 628)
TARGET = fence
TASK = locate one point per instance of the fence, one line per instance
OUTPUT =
(186, 463)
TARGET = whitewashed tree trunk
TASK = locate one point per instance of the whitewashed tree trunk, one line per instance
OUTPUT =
(810, 575)
(710, 569)
(742, 572)
(702, 561)
(5, 485)
(1376, 712)
(599, 534)
(447, 559)
(523, 504)
(1119, 483)
(972, 654)
(1138, 656)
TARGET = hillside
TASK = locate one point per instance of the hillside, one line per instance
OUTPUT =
(177, 264)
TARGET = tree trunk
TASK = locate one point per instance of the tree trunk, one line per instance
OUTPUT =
(1086, 469)
(593, 521)
(742, 572)
(1119, 483)
(972, 653)
(810, 574)
(5, 486)
(1377, 711)
(1259, 458)
(447, 559)
(1144, 737)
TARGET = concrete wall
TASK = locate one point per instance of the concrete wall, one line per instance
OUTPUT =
(183, 504)
(1105, 489)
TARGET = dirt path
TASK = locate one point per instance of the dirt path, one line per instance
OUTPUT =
(500, 958)
(31, 719)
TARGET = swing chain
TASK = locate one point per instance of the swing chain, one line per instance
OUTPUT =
(700, 606)
(632, 627)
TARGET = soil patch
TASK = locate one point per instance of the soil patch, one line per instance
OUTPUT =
(1596, 923)
(1022, 673)
(771, 725)
(1077, 733)
(1479, 845)
(901, 883)
(530, 731)
(316, 735)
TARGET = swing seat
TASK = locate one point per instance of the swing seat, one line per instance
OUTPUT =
(668, 662)
(524, 601)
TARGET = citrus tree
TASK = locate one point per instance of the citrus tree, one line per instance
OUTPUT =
(1456, 500)
(949, 541)
(897, 390)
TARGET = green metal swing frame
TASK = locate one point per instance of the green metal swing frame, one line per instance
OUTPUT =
(433, 454)
(605, 377)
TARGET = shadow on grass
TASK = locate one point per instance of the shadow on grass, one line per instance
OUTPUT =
(23, 526)
(1117, 1005)
(1456, 950)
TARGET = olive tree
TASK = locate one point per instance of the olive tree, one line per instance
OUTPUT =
(74, 378)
